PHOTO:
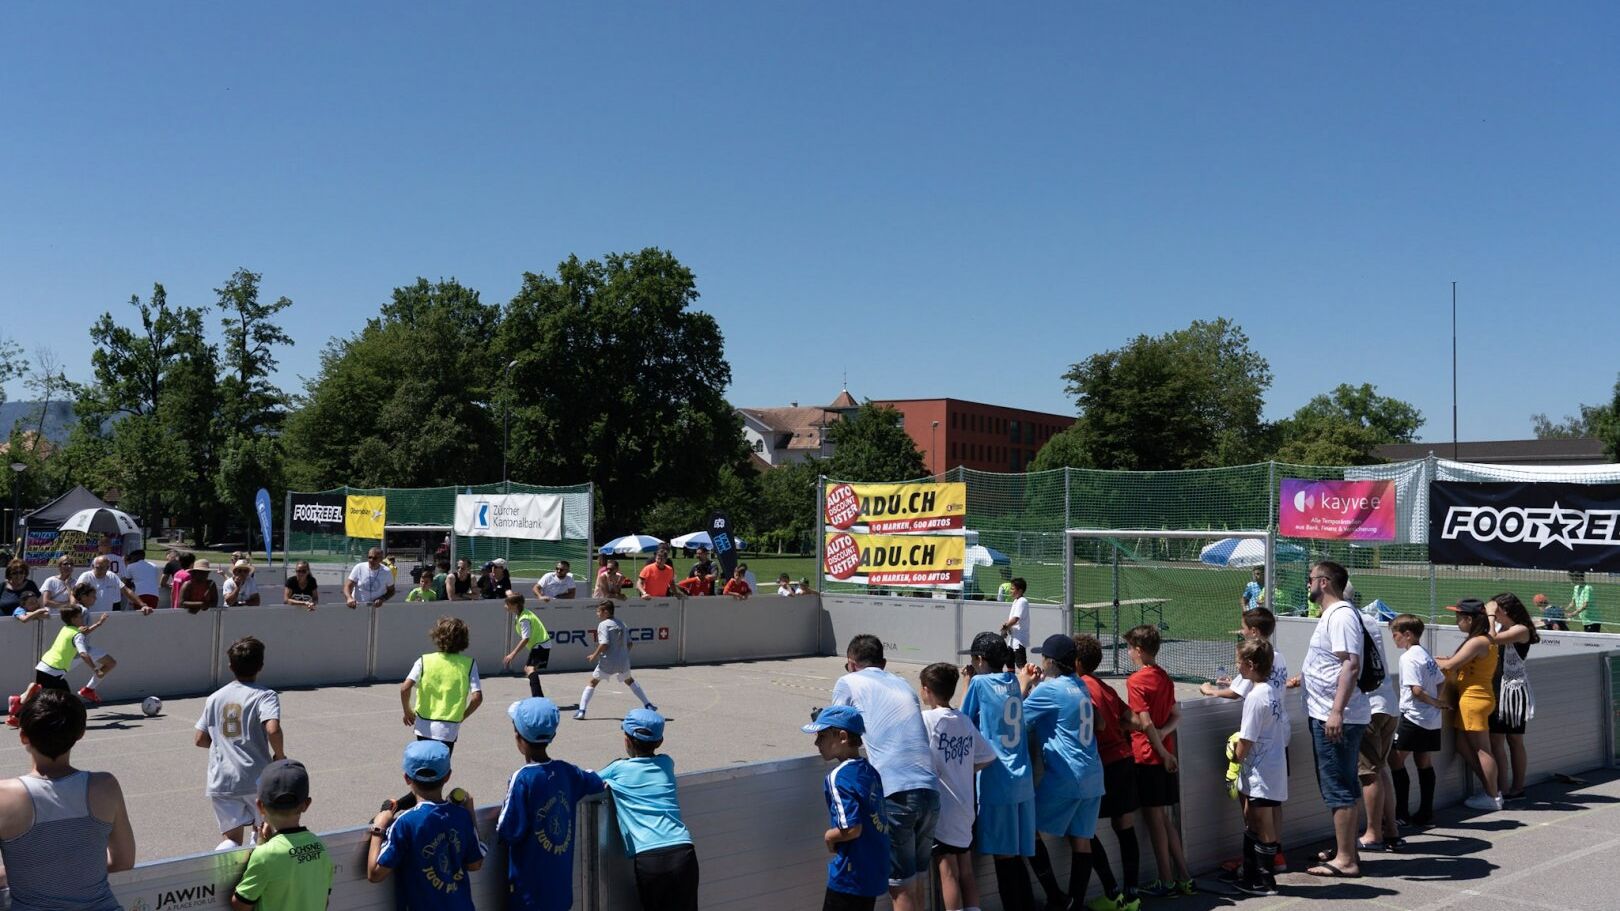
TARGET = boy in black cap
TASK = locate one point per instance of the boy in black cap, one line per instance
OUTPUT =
(290, 870)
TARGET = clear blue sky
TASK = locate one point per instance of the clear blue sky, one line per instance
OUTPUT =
(945, 199)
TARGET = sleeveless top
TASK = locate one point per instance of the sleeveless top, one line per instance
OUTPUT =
(1473, 678)
(1515, 702)
(60, 863)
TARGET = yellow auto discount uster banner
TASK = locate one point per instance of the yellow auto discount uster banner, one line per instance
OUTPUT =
(882, 509)
(924, 560)
(364, 517)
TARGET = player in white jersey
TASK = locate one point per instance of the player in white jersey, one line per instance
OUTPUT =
(612, 659)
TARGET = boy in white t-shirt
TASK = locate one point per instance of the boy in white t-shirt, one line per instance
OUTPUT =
(240, 727)
(1418, 732)
(1258, 625)
(612, 659)
(1263, 779)
(958, 751)
(1017, 623)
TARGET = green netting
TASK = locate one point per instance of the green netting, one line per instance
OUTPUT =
(435, 506)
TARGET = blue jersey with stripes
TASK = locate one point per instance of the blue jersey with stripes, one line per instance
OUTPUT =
(854, 794)
(995, 705)
(1062, 723)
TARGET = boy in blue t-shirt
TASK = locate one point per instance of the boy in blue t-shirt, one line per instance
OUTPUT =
(1060, 718)
(1006, 823)
(859, 837)
(537, 816)
(433, 845)
(649, 814)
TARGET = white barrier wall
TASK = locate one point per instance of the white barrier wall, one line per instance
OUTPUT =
(167, 652)
(923, 630)
(403, 634)
(720, 629)
(302, 648)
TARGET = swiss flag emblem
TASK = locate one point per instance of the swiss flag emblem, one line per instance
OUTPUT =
(663, 632)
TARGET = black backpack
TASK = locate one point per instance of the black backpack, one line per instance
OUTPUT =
(1372, 657)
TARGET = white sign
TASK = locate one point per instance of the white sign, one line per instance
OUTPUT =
(535, 516)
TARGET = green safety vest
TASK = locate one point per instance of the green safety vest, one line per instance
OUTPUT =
(62, 652)
(535, 627)
(446, 683)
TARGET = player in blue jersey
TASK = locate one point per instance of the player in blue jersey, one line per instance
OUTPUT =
(1061, 721)
(1006, 824)
(858, 838)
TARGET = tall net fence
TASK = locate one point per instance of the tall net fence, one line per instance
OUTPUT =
(418, 523)
(1020, 520)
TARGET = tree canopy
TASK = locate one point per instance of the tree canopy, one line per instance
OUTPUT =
(1343, 427)
(872, 445)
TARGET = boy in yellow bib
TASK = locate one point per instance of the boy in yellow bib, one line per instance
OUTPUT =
(532, 634)
(444, 684)
(71, 642)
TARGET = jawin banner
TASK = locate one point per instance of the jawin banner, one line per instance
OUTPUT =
(1525, 525)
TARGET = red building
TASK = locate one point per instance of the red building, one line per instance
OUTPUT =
(951, 432)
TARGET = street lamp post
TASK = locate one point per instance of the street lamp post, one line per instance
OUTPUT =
(16, 502)
(506, 416)
(933, 449)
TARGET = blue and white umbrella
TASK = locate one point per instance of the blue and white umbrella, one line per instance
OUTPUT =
(701, 539)
(632, 544)
(1241, 553)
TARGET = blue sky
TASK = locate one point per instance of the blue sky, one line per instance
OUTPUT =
(942, 199)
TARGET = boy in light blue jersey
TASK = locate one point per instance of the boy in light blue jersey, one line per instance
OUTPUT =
(649, 816)
(1060, 719)
(1006, 823)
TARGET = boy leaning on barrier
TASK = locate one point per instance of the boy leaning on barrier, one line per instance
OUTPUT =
(537, 816)
(858, 837)
(649, 817)
(433, 846)
(290, 870)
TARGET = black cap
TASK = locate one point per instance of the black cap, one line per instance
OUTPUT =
(284, 785)
(1468, 606)
(1059, 648)
(984, 644)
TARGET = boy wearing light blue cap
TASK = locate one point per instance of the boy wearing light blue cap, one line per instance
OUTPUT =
(434, 845)
(649, 815)
(537, 816)
(859, 836)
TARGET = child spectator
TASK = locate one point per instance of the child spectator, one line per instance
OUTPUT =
(1418, 733)
(785, 587)
(240, 728)
(290, 869)
(1006, 823)
(532, 634)
(1114, 723)
(62, 830)
(1263, 778)
(858, 838)
(1017, 623)
(1060, 718)
(1152, 698)
(1552, 615)
(959, 750)
(612, 659)
(51, 671)
(28, 609)
(537, 815)
(649, 815)
(447, 687)
(434, 844)
(426, 588)
(737, 586)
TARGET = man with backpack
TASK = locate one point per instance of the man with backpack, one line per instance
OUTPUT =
(1337, 676)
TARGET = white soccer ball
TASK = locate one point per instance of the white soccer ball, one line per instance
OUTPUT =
(151, 705)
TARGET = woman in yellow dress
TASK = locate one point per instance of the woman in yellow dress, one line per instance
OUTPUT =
(1470, 671)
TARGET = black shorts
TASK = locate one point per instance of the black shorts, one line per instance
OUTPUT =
(1498, 726)
(1261, 803)
(667, 878)
(51, 681)
(1119, 789)
(942, 849)
(843, 901)
(1156, 787)
(1412, 738)
(538, 658)
(1019, 656)
(1592, 628)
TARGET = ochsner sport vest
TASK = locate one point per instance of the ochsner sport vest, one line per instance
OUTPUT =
(537, 629)
(62, 652)
(446, 683)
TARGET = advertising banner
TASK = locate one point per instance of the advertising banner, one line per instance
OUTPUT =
(364, 517)
(1525, 525)
(1337, 510)
(725, 546)
(261, 505)
(44, 548)
(318, 512)
(885, 509)
(531, 516)
(925, 560)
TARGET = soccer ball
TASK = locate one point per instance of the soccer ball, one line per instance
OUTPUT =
(151, 705)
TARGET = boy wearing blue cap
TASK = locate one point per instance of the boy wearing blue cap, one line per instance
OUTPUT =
(537, 816)
(649, 815)
(437, 840)
(859, 837)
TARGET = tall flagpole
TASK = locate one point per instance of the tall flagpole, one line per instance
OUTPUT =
(1454, 371)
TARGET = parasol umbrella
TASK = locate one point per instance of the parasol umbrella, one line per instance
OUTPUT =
(102, 520)
(1241, 553)
(701, 539)
(632, 544)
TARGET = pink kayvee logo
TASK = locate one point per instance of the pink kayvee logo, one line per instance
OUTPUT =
(1341, 510)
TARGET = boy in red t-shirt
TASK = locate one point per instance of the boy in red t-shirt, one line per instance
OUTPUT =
(1114, 726)
(1152, 697)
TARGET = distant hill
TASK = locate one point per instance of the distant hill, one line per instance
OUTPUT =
(59, 419)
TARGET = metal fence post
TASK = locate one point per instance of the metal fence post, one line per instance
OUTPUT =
(821, 531)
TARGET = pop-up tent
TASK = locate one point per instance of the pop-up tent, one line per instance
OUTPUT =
(43, 540)
(51, 516)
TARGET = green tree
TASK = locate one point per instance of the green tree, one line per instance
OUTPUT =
(619, 381)
(1066, 449)
(1596, 421)
(1344, 426)
(734, 493)
(872, 445)
(1191, 398)
(252, 408)
(191, 399)
(11, 364)
(787, 513)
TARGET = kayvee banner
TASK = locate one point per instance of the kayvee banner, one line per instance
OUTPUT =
(1337, 510)
(1526, 525)
(322, 512)
(897, 508)
(927, 560)
(532, 516)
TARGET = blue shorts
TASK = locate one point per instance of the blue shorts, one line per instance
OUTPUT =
(1336, 764)
(1006, 829)
(1072, 817)
(912, 815)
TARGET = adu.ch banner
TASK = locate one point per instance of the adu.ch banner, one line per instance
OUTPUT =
(897, 508)
(1526, 525)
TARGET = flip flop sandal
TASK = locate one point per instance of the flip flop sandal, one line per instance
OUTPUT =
(1335, 872)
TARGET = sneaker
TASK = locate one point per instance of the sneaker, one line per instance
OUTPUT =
(1280, 865)
(1129, 903)
(1103, 903)
(14, 706)
(1159, 889)
(579, 715)
(88, 694)
(227, 845)
(649, 706)
(12, 721)
(1483, 801)
(1256, 887)
(1186, 887)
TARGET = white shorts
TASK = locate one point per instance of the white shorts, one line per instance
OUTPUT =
(602, 673)
(234, 811)
(96, 654)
